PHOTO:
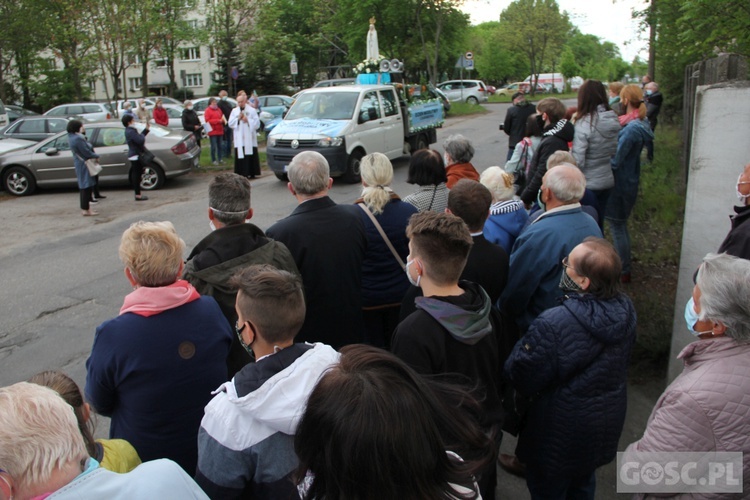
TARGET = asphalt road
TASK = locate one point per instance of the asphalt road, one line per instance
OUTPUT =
(61, 276)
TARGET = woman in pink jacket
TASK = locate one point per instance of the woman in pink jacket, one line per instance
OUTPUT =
(215, 118)
(707, 407)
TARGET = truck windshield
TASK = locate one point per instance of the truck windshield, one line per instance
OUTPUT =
(324, 106)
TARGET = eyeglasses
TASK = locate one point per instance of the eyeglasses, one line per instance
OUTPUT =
(566, 264)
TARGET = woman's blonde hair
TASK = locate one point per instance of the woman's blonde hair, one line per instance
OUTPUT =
(634, 95)
(152, 252)
(377, 174)
(499, 182)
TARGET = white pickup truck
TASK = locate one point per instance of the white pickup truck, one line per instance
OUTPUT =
(346, 123)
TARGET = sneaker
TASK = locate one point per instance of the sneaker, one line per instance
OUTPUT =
(214, 162)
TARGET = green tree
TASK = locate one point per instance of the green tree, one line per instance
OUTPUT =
(20, 39)
(229, 23)
(569, 66)
(493, 60)
(174, 30)
(539, 31)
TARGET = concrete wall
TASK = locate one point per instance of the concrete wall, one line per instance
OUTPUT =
(720, 150)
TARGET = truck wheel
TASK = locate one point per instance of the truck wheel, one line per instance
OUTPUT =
(352, 174)
(422, 142)
(281, 176)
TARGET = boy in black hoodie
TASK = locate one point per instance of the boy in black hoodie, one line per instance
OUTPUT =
(450, 333)
(557, 134)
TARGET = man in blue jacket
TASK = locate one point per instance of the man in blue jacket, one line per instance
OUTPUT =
(572, 365)
(536, 259)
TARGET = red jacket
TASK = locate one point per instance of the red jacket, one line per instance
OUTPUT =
(160, 116)
(459, 171)
(214, 118)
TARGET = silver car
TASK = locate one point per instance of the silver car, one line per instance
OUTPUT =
(50, 163)
(35, 128)
(471, 91)
(89, 111)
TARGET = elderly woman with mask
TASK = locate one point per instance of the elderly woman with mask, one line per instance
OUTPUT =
(458, 155)
(153, 367)
(507, 217)
(706, 407)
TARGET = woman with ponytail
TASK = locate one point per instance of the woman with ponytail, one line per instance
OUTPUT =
(626, 166)
(385, 217)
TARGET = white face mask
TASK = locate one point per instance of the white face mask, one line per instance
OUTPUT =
(740, 196)
(212, 225)
(189, 108)
(408, 276)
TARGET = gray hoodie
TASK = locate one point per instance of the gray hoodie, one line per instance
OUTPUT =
(594, 146)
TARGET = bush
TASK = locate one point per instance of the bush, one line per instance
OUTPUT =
(184, 94)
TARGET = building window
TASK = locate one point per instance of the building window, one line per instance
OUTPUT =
(192, 24)
(190, 54)
(135, 59)
(135, 83)
(92, 85)
(211, 53)
(194, 80)
(118, 83)
(160, 63)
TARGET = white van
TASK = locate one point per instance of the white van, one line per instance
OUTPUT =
(347, 122)
(4, 120)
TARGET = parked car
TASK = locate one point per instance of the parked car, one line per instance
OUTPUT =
(514, 87)
(50, 163)
(89, 111)
(35, 128)
(7, 145)
(174, 113)
(275, 104)
(3, 115)
(16, 112)
(200, 105)
(471, 91)
(335, 82)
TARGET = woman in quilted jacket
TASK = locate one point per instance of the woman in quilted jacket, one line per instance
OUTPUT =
(572, 367)
(707, 408)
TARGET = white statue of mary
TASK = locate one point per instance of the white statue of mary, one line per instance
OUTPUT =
(372, 41)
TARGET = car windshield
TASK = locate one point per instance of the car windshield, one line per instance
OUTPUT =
(157, 130)
(324, 106)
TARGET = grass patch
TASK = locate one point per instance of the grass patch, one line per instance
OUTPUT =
(205, 161)
(535, 98)
(656, 237)
(464, 108)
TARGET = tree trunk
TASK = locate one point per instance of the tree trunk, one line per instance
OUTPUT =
(144, 77)
(652, 40)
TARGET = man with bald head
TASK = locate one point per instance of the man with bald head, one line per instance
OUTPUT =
(328, 243)
(536, 258)
(737, 242)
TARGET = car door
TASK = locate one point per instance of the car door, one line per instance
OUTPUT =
(31, 130)
(111, 146)
(393, 125)
(452, 90)
(52, 162)
(273, 105)
(369, 130)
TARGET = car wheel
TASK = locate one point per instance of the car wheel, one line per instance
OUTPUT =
(472, 100)
(152, 177)
(422, 142)
(19, 182)
(281, 176)
(352, 174)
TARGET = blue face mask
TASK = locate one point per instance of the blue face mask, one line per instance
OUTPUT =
(649, 92)
(691, 317)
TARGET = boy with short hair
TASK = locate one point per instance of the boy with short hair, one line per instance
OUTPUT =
(450, 333)
(246, 439)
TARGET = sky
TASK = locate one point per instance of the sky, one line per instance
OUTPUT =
(610, 20)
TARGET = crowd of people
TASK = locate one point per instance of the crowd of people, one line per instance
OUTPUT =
(382, 349)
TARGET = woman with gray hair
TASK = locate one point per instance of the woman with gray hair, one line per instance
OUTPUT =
(384, 282)
(706, 407)
(458, 155)
(507, 217)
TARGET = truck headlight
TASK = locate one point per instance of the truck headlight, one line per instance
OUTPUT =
(331, 142)
(271, 141)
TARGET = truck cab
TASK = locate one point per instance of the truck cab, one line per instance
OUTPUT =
(344, 124)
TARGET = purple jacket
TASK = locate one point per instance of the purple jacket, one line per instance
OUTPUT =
(706, 408)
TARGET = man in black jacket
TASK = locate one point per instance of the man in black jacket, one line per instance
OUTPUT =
(328, 243)
(558, 133)
(737, 242)
(233, 244)
(451, 332)
(226, 108)
(515, 121)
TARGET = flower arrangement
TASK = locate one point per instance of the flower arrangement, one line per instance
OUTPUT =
(369, 65)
